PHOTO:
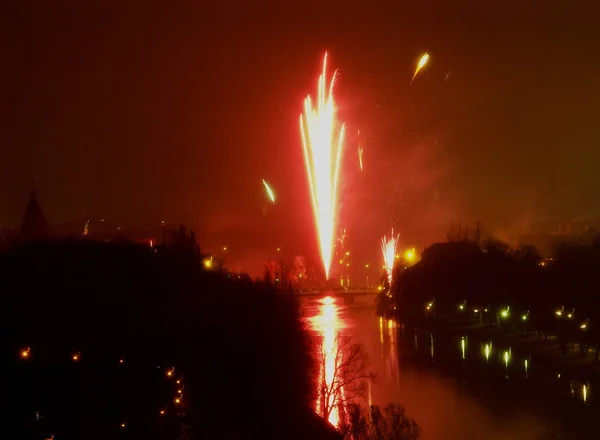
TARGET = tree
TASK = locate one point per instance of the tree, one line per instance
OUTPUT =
(383, 303)
(126, 309)
(343, 374)
(372, 423)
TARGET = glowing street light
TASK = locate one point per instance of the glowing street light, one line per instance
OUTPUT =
(410, 255)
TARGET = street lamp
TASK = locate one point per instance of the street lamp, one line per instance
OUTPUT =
(410, 255)
(208, 263)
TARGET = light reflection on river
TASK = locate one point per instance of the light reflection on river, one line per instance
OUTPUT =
(450, 402)
(325, 322)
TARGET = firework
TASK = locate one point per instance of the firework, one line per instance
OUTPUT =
(360, 153)
(322, 144)
(422, 63)
(270, 193)
(388, 249)
(360, 156)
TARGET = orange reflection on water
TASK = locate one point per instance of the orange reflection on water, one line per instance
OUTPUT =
(327, 323)
(387, 340)
(390, 346)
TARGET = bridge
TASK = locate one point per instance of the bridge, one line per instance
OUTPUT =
(349, 295)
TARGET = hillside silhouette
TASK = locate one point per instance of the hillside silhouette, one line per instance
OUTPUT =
(117, 340)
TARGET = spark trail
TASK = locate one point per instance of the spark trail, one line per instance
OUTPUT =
(322, 144)
(360, 157)
(360, 153)
(422, 63)
(269, 191)
(388, 249)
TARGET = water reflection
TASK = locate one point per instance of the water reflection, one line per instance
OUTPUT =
(506, 358)
(392, 350)
(532, 402)
(327, 324)
(487, 351)
(389, 347)
(416, 340)
(431, 346)
(584, 394)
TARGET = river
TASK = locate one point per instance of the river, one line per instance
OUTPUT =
(456, 388)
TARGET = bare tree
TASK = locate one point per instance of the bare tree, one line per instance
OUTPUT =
(458, 232)
(373, 423)
(344, 373)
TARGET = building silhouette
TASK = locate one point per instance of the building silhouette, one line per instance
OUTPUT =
(34, 226)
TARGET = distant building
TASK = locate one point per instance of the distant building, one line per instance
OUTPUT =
(34, 226)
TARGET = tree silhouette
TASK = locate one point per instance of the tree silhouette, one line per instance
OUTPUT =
(373, 423)
(346, 364)
(132, 313)
(493, 276)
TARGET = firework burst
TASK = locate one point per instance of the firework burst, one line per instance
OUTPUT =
(322, 143)
(388, 249)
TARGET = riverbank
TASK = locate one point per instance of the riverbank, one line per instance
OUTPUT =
(544, 351)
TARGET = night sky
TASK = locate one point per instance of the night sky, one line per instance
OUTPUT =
(150, 113)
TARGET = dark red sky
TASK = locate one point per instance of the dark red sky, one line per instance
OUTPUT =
(146, 113)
